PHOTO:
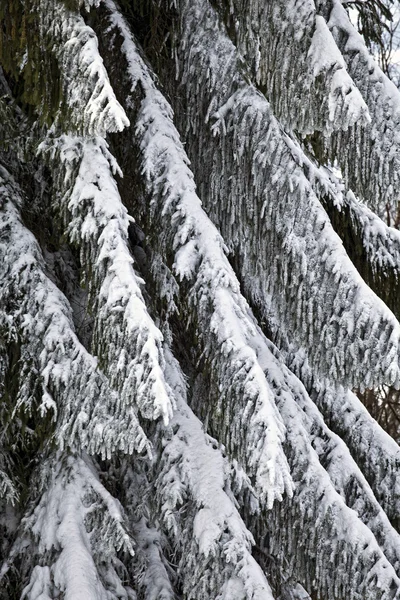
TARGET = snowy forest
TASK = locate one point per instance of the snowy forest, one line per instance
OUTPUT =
(199, 300)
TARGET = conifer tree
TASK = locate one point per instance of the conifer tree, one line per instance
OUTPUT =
(194, 278)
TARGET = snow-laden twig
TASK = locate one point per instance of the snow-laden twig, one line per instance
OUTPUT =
(53, 364)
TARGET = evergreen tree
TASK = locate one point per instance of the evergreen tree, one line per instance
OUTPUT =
(194, 277)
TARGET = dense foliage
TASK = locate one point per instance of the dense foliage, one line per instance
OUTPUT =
(195, 273)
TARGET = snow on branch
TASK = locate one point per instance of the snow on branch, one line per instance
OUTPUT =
(8, 484)
(192, 474)
(333, 517)
(126, 340)
(90, 100)
(381, 243)
(369, 159)
(150, 568)
(160, 146)
(8, 489)
(73, 535)
(374, 450)
(293, 58)
(54, 366)
(224, 323)
(373, 247)
(348, 480)
(273, 218)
